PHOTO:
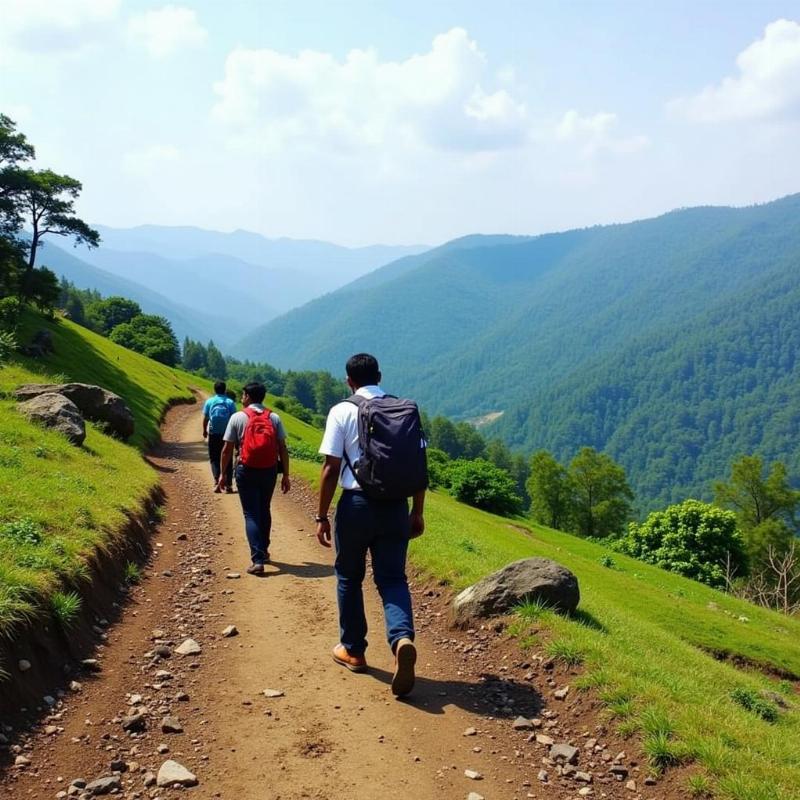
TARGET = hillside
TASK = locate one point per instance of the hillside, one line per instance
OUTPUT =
(490, 329)
(278, 274)
(642, 643)
(187, 320)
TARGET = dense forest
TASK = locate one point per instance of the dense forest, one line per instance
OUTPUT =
(628, 338)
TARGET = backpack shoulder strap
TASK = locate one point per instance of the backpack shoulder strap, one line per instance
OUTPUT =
(357, 400)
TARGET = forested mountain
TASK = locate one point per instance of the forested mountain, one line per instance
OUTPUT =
(578, 338)
(186, 321)
(277, 273)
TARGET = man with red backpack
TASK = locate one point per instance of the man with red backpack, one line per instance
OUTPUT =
(261, 439)
(374, 448)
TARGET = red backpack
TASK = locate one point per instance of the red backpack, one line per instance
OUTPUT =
(259, 447)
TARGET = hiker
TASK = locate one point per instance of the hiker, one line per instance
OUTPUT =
(217, 411)
(259, 435)
(374, 447)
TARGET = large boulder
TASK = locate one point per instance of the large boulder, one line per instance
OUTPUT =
(529, 579)
(94, 402)
(56, 411)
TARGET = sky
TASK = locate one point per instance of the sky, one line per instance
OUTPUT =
(408, 122)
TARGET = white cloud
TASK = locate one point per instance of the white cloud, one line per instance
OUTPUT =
(595, 133)
(150, 161)
(167, 30)
(443, 99)
(767, 84)
(42, 26)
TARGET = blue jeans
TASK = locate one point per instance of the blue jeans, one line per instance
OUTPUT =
(215, 444)
(255, 494)
(382, 528)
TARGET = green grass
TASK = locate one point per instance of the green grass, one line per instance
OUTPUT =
(60, 503)
(644, 636)
(66, 606)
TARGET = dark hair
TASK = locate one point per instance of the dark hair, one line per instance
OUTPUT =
(255, 391)
(220, 387)
(363, 370)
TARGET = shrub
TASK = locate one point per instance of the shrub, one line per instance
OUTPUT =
(483, 485)
(22, 531)
(692, 538)
(8, 344)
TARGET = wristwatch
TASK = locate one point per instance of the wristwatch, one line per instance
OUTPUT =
(320, 519)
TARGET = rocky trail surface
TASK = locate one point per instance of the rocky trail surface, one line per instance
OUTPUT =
(217, 684)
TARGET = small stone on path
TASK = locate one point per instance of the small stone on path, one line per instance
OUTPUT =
(473, 775)
(172, 773)
(189, 648)
(470, 732)
(24, 665)
(232, 576)
(522, 724)
(231, 630)
(273, 693)
(171, 724)
(475, 796)
(104, 786)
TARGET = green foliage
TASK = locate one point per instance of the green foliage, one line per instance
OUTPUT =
(438, 468)
(753, 702)
(149, 335)
(8, 344)
(65, 606)
(565, 651)
(303, 451)
(483, 485)
(694, 539)
(22, 531)
(107, 314)
(550, 490)
(699, 786)
(765, 506)
(601, 496)
(216, 368)
(133, 573)
(40, 286)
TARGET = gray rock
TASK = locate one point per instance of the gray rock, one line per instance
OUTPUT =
(57, 412)
(24, 665)
(473, 775)
(564, 752)
(134, 722)
(618, 771)
(528, 579)
(171, 773)
(94, 402)
(273, 693)
(231, 630)
(103, 785)
(171, 724)
(189, 648)
(522, 724)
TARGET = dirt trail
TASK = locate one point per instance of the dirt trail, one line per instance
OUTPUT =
(331, 734)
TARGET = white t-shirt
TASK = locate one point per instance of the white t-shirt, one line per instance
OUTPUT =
(341, 432)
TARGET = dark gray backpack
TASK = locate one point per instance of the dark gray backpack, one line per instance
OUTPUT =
(393, 462)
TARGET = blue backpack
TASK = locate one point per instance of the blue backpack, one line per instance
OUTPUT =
(218, 416)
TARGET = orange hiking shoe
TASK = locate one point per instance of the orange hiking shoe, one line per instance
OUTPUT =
(405, 657)
(353, 663)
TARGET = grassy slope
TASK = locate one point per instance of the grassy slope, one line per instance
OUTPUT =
(78, 497)
(642, 636)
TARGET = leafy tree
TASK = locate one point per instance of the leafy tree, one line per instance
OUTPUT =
(327, 392)
(300, 385)
(550, 490)
(601, 499)
(45, 201)
(195, 355)
(483, 485)
(150, 335)
(12, 267)
(14, 148)
(764, 505)
(438, 468)
(216, 367)
(41, 287)
(113, 311)
(694, 539)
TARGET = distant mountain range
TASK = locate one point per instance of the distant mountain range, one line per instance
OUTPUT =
(668, 342)
(211, 284)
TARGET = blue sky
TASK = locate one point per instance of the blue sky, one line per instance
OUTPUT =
(360, 122)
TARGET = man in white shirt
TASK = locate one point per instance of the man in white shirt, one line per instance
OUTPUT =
(382, 527)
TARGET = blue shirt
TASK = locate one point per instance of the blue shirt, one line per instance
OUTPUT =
(216, 400)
